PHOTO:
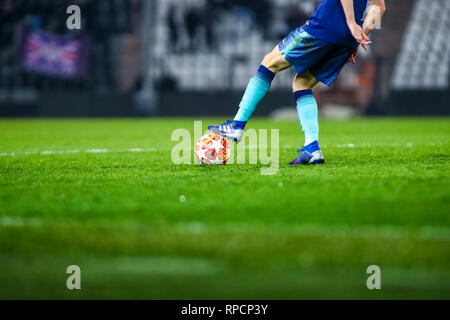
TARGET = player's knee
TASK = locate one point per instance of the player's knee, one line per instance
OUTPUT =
(303, 82)
(269, 62)
(302, 86)
(273, 62)
(294, 86)
(299, 84)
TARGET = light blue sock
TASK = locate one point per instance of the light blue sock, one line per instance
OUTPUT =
(308, 114)
(257, 88)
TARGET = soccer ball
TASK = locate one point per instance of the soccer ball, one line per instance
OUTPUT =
(212, 149)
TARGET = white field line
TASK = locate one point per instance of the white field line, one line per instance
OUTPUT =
(346, 145)
(143, 150)
(364, 145)
(357, 231)
(63, 152)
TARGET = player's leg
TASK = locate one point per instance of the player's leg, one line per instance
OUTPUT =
(307, 105)
(300, 50)
(275, 61)
(259, 85)
(309, 119)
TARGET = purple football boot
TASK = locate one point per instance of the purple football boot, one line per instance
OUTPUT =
(311, 154)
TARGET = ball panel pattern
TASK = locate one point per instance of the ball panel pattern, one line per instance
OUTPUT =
(212, 149)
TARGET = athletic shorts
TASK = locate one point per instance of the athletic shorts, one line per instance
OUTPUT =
(323, 59)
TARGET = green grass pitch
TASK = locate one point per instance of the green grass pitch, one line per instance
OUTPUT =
(104, 195)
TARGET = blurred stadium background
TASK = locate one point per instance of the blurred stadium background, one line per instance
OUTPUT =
(105, 195)
(141, 58)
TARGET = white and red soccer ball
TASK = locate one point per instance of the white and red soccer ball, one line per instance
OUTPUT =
(212, 149)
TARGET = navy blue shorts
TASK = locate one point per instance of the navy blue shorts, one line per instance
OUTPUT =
(323, 59)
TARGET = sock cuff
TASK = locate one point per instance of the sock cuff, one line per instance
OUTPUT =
(301, 93)
(265, 73)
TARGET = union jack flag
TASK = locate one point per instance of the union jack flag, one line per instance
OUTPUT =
(54, 55)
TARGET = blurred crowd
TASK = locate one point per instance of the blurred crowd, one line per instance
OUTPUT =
(99, 16)
(200, 22)
(102, 22)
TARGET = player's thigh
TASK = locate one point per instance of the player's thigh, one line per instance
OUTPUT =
(275, 61)
(304, 81)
